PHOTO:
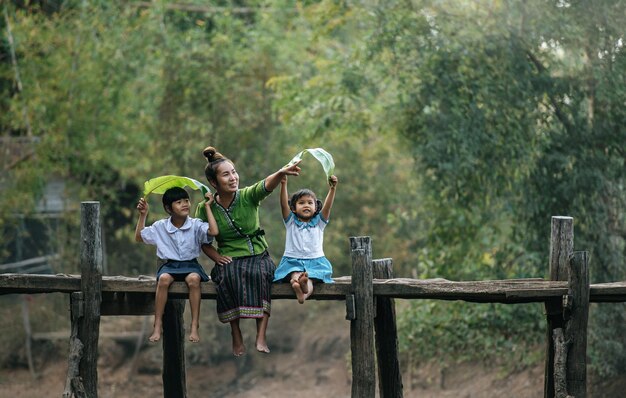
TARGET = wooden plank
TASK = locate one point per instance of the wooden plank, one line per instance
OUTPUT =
(472, 291)
(505, 291)
(123, 303)
(362, 327)
(23, 283)
(64, 334)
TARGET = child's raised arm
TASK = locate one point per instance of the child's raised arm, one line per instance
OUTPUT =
(142, 206)
(213, 229)
(330, 197)
(284, 198)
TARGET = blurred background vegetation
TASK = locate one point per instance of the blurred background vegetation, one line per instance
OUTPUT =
(458, 128)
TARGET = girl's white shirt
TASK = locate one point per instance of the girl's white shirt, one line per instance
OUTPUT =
(174, 243)
(304, 240)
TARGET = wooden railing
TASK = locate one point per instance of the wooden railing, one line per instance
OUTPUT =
(369, 297)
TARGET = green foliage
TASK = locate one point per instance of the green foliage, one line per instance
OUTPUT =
(457, 332)
(457, 128)
(512, 120)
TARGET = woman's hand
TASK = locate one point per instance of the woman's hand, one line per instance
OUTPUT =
(273, 180)
(292, 170)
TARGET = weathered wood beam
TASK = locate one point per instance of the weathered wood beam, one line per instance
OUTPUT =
(561, 247)
(473, 291)
(576, 326)
(174, 380)
(506, 291)
(91, 288)
(362, 328)
(386, 334)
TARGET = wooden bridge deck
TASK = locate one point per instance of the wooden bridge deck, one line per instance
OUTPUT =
(495, 291)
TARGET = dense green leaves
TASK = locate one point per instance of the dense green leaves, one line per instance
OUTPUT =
(458, 129)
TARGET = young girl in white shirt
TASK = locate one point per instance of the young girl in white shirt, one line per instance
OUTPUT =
(305, 219)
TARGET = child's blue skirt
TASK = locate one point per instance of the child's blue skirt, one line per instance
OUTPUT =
(180, 269)
(317, 268)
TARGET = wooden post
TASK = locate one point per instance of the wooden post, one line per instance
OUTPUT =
(362, 327)
(560, 364)
(73, 383)
(389, 375)
(576, 326)
(174, 381)
(561, 247)
(91, 287)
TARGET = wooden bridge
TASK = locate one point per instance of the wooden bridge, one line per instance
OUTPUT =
(369, 296)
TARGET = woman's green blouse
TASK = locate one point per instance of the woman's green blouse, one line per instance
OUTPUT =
(240, 234)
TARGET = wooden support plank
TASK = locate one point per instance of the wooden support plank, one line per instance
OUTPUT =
(386, 333)
(362, 328)
(496, 291)
(561, 247)
(576, 326)
(91, 287)
(350, 311)
(473, 291)
(122, 303)
(174, 380)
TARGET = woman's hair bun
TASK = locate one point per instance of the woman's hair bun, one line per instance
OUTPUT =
(211, 154)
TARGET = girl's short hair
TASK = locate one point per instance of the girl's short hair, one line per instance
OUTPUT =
(172, 195)
(214, 158)
(304, 192)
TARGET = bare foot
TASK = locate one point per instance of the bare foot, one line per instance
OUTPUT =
(156, 335)
(303, 279)
(262, 347)
(194, 337)
(239, 348)
(295, 285)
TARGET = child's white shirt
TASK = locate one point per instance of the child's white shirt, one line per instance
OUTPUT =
(180, 244)
(304, 240)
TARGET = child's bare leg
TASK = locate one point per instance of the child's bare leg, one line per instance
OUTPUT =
(261, 327)
(163, 284)
(238, 347)
(193, 283)
(295, 285)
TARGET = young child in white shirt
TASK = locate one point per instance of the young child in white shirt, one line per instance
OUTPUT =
(305, 219)
(178, 240)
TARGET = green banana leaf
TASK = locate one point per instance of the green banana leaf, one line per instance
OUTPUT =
(161, 184)
(325, 158)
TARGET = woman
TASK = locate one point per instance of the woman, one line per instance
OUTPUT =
(243, 269)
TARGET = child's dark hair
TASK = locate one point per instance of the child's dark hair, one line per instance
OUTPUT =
(172, 195)
(305, 192)
(214, 158)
